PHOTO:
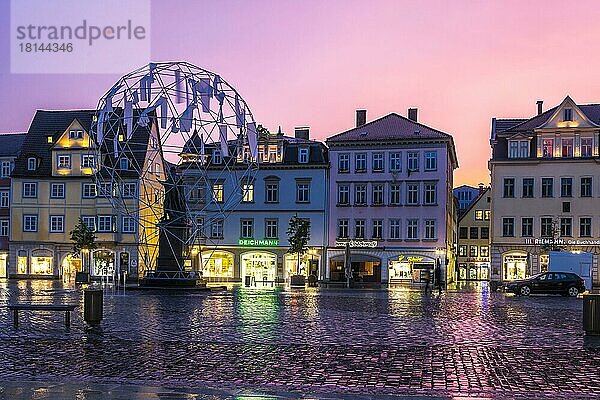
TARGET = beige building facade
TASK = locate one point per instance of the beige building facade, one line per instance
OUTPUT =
(545, 189)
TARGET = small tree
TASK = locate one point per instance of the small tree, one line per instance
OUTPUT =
(554, 244)
(83, 238)
(298, 235)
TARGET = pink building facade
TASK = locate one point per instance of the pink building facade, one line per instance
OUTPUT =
(390, 191)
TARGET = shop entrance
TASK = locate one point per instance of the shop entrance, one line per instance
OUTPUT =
(104, 263)
(259, 268)
(3, 258)
(514, 266)
(364, 268)
(217, 265)
(474, 271)
(70, 266)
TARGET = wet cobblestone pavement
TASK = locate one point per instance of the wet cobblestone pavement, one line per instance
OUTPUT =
(323, 343)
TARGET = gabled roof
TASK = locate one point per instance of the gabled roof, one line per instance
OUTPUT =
(389, 127)
(10, 144)
(46, 123)
(591, 111)
(473, 203)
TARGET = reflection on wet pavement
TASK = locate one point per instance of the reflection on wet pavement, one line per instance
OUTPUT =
(338, 341)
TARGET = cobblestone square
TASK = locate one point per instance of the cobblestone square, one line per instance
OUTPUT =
(315, 343)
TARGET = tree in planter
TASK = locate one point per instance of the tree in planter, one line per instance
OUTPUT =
(298, 235)
(84, 241)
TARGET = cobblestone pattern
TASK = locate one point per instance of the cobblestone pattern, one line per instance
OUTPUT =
(361, 342)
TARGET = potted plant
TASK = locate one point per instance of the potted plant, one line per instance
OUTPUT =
(84, 241)
(298, 235)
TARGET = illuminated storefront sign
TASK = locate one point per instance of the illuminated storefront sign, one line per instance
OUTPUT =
(259, 242)
(356, 243)
(567, 242)
(409, 259)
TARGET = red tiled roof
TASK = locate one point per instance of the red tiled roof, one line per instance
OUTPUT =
(389, 127)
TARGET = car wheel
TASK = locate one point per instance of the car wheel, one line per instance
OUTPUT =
(573, 291)
(525, 291)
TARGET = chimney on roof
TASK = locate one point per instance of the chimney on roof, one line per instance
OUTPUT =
(302, 132)
(361, 117)
(481, 187)
(540, 108)
(412, 114)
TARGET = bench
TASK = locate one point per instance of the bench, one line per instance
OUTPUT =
(67, 308)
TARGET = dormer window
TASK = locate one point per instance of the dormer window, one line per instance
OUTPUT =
(548, 148)
(518, 148)
(568, 114)
(217, 158)
(586, 147)
(303, 155)
(124, 164)
(31, 164)
(75, 134)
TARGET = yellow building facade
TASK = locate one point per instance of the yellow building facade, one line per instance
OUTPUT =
(53, 186)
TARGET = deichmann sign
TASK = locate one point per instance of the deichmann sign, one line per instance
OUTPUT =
(563, 242)
(258, 242)
(356, 243)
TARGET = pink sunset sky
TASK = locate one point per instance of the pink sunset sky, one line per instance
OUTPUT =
(315, 62)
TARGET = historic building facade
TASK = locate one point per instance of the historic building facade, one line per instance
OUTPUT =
(465, 195)
(53, 187)
(391, 199)
(250, 244)
(10, 145)
(473, 258)
(545, 188)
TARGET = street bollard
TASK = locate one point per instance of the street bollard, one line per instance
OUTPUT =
(591, 314)
(92, 306)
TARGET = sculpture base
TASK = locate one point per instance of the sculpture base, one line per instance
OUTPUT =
(172, 279)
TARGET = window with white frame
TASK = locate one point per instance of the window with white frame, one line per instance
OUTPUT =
(359, 228)
(199, 227)
(343, 162)
(343, 194)
(567, 147)
(430, 193)
(4, 227)
(377, 232)
(395, 229)
(87, 161)
(30, 223)
(124, 164)
(378, 162)
(105, 189)
(217, 157)
(64, 161)
(568, 114)
(129, 189)
(360, 162)
(272, 191)
(586, 147)
(430, 232)
(90, 222)
(57, 191)
(395, 162)
(4, 198)
(105, 223)
(57, 223)
(88, 190)
(31, 164)
(412, 229)
(395, 191)
(271, 229)
(430, 161)
(216, 229)
(248, 193)
(548, 148)
(343, 228)
(377, 194)
(217, 192)
(128, 225)
(303, 155)
(518, 148)
(75, 134)
(412, 193)
(246, 228)
(523, 148)
(413, 161)
(30, 189)
(6, 169)
(303, 192)
(360, 194)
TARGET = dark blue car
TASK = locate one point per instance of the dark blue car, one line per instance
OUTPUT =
(563, 283)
